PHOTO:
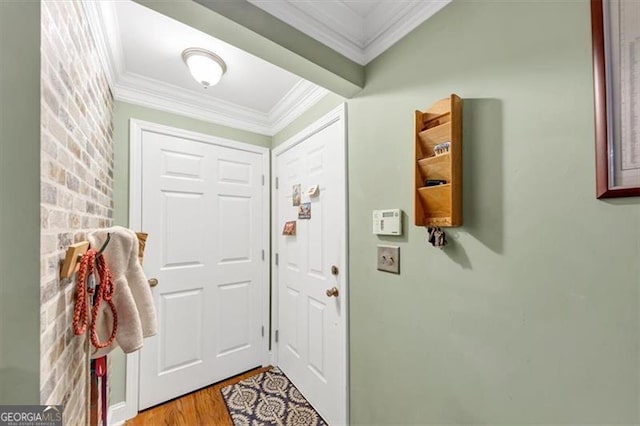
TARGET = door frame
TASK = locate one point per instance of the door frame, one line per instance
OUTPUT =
(339, 114)
(136, 129)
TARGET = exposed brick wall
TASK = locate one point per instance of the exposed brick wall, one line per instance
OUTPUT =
(77, 190)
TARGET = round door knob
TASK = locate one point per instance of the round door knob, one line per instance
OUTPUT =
(333, 292)
(153, 282)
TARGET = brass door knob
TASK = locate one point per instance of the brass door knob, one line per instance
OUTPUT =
(153, 282)
(333, 292)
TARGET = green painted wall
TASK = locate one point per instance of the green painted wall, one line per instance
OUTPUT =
(123, 112)
(324, 105)
(531, 315)
(19, 203)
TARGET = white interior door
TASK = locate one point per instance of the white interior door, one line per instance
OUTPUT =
(203, 206)
(312, 325)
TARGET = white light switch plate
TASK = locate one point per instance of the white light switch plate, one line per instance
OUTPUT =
(389, 259)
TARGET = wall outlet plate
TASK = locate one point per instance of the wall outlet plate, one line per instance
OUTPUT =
(389, 259)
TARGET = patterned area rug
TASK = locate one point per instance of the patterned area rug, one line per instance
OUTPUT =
(269, 398)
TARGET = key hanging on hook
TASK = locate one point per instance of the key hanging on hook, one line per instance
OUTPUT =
(441, 238)
(437, 237)
(431, 235)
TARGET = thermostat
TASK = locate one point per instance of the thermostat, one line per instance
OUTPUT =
(387, 222)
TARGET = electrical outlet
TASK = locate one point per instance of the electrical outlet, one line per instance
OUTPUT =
(389, 259)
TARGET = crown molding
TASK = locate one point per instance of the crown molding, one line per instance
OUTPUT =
(140, 90)
(294, 15)
(407, 17)
(381, 28)
(300, 98)
(103, 26)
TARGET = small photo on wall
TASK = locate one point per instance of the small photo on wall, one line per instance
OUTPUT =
(304, 211)
(289, 228)
(297, 195)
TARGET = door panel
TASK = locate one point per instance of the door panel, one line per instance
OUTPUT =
(234, 317)
(235, 219)
(183, 224)
(202, 206)
(180, 349)
(312, 325)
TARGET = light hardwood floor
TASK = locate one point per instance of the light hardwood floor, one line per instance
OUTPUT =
(199, 408)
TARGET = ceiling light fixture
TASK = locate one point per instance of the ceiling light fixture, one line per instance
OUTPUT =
(206, 67)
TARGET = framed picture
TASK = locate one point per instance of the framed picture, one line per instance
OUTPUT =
(289, 228)
(616, 78)
(304, 211)
(296, 195)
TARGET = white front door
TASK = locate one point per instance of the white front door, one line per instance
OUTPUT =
(312, 333)
(203, 206)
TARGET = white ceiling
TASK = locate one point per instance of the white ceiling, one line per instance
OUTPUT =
(142, 51)
(359, 29)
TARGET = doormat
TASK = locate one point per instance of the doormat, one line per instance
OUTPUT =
(269, 398)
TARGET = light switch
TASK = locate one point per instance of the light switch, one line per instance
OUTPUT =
(389, 259)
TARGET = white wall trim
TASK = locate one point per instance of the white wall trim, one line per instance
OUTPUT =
(137, 89)
(136, 129)
(408, 18)
(300, 98)
(337, 114)
(140, 90)
(104, 28)
(290, 13)
(383, 27)
(116, 416)
(334, 115)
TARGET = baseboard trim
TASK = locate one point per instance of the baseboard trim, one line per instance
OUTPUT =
(117, 414)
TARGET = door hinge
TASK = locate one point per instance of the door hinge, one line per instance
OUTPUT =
(262, 254)
(276, 336)
(276, 183)
(263, 331)
(277, 259)
(262, 180)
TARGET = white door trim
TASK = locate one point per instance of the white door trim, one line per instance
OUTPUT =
(339, 114)
(136, 128)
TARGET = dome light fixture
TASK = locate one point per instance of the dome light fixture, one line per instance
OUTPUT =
(206, 67)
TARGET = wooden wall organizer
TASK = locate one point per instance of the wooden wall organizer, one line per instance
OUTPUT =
(440, 205)
(70, 263)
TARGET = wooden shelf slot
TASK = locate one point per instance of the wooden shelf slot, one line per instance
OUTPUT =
(433, 120)
(436, 167)
(436, 200)
(434, 136)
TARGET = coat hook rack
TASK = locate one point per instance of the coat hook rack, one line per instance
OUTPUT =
(72, 259)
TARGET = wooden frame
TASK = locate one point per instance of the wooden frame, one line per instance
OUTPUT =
(604, 151)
